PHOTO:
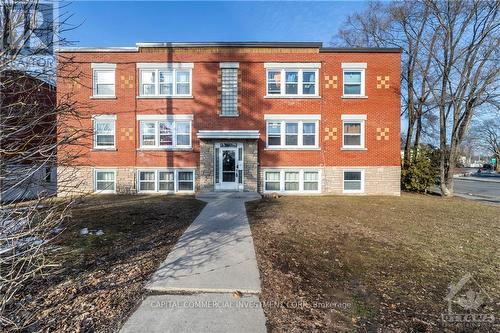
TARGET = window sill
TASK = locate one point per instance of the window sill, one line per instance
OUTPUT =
(293, 97)
(165, 149)
(165, 97)
(104, 149)
(292, 148)
(353, 148)
(102, 97)
(229, 115)
(353, 97)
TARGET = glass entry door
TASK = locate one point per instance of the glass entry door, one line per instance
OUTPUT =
(229, 167)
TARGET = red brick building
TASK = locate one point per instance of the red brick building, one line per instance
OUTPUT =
(294, 118)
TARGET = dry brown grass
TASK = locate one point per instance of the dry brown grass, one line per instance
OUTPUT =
(102, 277)
(388, 260)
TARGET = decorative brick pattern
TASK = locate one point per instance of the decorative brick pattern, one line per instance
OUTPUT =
(127, 134)
(126, 81)
(383, 82)
(331, 134)
(382, 133)
(331, 81)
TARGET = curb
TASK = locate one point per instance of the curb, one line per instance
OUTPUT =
(477, 179)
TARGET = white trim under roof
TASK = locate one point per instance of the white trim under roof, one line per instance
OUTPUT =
(353, 117)
(97, 49)
(104, 117)
(103, 65)
(165, 117)
(229, 65)
(354, 65)
(228, 134)
(292, 117)
(154, 65)
(293, 65)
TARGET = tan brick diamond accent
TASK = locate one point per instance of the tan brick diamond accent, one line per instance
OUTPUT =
(127, 81)
(331, 82)
(382, 133)
(331, 134)
(127, 134)
(382, 81)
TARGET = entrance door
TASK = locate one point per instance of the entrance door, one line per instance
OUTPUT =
(230, 167)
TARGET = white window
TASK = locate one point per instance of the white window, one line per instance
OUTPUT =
(354, 79)
(354, 181)
(165, 80)
(105, 181)
(159, 132)
(104, 131)
(291, 180)
(229, 89)
(272, 181)
(353, 131)
(292, 132)
(165, 180)
(103, 80)
(185, 181)
(292, 79)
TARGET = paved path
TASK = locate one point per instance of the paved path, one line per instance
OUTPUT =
(214, 258)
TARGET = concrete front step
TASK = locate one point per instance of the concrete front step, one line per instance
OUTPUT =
(247, 196)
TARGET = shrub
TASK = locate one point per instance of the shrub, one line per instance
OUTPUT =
(421, 175)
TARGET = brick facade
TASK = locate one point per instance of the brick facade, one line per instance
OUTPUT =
(380, 159)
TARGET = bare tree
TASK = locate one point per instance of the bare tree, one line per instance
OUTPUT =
(404, 25)
(32, 127)
(450, 70)
(466, 62)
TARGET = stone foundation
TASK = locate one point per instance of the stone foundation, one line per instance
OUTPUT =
(79, 180)
(379, 180)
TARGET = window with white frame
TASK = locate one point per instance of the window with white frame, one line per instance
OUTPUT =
(165, 80)
(354, 79)
(165, 180)
(292, 79)
(353, 181)
(105, 181)
(292, 133)
(165, 131)
(353, 131)
(285, 180)
(104, 131)
(185, 180)
(103, 78)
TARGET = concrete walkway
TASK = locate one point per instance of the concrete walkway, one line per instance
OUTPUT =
(196, 283)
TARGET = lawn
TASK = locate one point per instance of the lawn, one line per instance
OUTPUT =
(371, 264)
(102, 277)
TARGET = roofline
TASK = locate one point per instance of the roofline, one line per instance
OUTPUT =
(361, 49)
(97, 49)
(317, 45)
(232, 44)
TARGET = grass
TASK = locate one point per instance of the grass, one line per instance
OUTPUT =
(381, 263)
(102, 277)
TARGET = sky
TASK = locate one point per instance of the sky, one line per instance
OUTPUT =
(118, 23)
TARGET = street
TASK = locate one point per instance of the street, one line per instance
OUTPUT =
(489, 191)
